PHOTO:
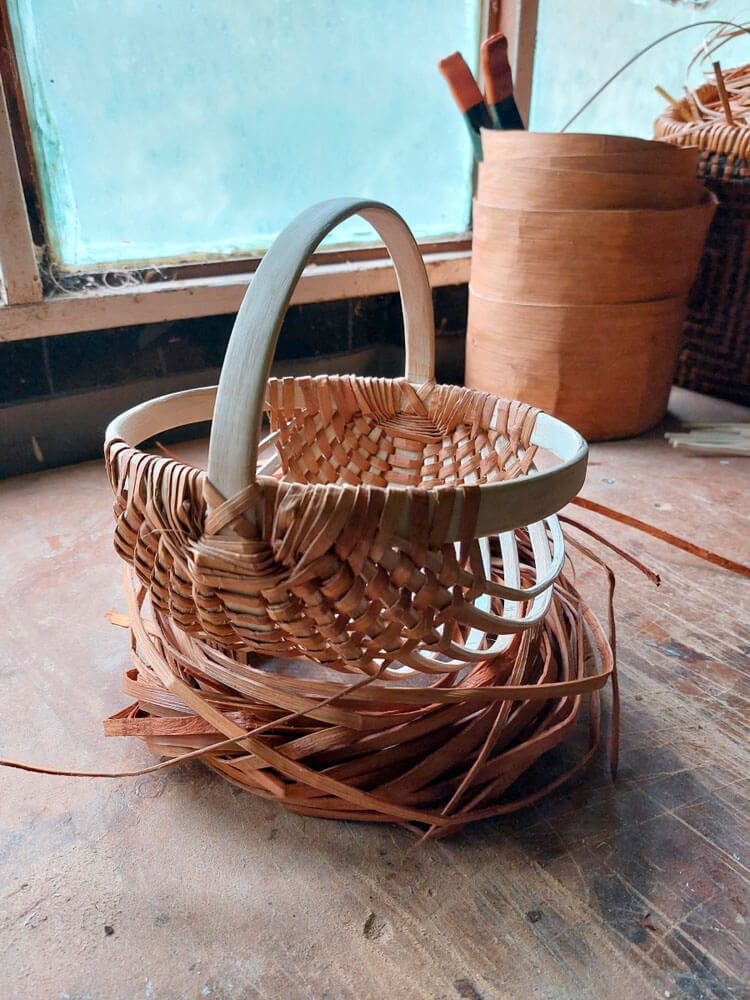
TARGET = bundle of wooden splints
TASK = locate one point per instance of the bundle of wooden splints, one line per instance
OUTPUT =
(713, 439)
(430, 758)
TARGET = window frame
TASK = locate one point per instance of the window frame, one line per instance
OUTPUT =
(204, 288)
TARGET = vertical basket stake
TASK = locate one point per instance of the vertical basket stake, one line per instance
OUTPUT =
(723, 93)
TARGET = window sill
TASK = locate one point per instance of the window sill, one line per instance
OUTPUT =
(210, 296)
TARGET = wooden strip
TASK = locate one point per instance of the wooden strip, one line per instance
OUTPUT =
(665, 536)
(169, 300)
(241, 392)
(17, 256)
(721, 87)
(518, 22)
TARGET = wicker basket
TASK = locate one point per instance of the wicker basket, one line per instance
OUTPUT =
(366, 543)
(715, 357)
(437, 752)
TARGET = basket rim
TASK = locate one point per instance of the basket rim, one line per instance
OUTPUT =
(713, 136)
(504, 506)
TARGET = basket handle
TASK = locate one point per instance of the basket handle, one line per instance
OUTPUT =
(237, 415)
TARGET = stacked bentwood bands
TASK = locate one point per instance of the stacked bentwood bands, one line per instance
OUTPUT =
(585, 248)
(584, 251)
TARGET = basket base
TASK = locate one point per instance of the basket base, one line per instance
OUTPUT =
(431, 754)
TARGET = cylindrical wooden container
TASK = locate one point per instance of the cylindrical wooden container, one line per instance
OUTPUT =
(640, 161)
(715, 354)
(497, 145)
(584, 251)
(578, 256)
(606, 369)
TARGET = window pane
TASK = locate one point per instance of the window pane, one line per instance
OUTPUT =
(581, 43)
(167, 130)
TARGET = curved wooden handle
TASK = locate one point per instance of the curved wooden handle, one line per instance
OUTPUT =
(239, 402)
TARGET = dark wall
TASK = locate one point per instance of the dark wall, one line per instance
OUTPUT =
(58, 393)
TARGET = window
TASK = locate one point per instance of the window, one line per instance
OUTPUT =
(576, 54)
(160, 147)
(174, 132)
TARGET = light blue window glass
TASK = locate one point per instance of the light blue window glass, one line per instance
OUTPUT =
(165, 129)
(582, 42)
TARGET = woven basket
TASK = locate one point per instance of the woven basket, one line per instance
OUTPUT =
(366, 544)
(715, 357)
(429, 753)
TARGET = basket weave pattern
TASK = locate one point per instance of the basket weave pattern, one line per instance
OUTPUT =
(380, 432)
(362, 615)
(725, 149)
(328, 574)
(432, 757)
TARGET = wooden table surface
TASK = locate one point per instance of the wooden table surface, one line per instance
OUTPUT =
(175, 885)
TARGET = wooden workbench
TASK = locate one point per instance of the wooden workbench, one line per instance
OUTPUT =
(175, 885)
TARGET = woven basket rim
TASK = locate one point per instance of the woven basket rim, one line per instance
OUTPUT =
(709, 136)
(114, 435)
(539, 494)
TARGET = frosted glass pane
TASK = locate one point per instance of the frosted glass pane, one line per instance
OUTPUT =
(169, 129)
(582, 42)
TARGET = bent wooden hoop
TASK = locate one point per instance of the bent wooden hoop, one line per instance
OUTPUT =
(497, 143)
(252, 346)
(556, 356)
(236, 412)
(620, 255)
(639, 162)
(532, 187)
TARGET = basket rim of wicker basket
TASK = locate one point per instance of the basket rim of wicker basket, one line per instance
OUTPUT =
(504, 506)
(714, 136)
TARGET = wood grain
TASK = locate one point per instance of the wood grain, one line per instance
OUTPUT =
(612, 382)
(497, 144)
(20, 273)
(582, 257)
(536, 187)
(641, 161)
(603, 893)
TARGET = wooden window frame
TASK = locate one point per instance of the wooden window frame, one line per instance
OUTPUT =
(207, 288)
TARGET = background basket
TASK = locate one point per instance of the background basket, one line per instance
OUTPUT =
(715, 357)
